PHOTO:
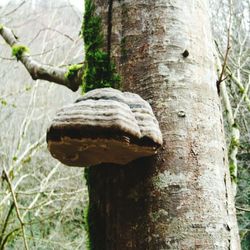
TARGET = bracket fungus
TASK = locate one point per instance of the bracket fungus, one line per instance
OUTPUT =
(104, 126)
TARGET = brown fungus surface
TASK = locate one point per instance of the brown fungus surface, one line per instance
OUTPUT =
(104, 126)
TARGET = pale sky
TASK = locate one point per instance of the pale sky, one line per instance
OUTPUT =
(78, 3)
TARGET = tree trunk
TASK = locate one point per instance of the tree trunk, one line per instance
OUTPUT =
(182, 198)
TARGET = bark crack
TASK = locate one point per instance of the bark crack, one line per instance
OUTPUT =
(109, 31)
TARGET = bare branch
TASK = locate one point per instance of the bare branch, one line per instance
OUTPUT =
(51, 29)
(243, 209)
(243, 97)
(241, 87)
(6, 223)
(227, 50)
(41, 71)
(16, 208)
(234, 130)
(7, 236)
(14, 10)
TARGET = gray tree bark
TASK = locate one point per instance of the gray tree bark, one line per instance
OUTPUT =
(181, 199)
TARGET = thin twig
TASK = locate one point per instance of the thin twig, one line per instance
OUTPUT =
(14, 10)
(51, 29)
(6, 222)
(243, 97)
(16, 208)
(2, 246)
(227, 50)
(243, 209)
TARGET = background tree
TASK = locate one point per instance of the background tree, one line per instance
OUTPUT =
(231, 33)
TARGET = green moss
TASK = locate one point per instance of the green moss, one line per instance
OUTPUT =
(86, 226)
(232, 171)
(242, 90)
(18, 50)
(99, 69)
(95, 222)
(1, 27)
(91, 29)
(234, 143)
(27, 160)
(86, 216)
(3, 102)
(72, 71)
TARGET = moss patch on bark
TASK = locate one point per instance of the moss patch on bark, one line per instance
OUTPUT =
(73, 70)
(18, 51)
(99, 70)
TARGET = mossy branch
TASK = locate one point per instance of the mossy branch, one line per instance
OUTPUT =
(19, 50)
(73, 71)
(38, 70)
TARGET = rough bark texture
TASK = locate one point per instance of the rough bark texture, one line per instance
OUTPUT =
(182, 198)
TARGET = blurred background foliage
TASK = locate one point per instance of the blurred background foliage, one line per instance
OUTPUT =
(50, 197)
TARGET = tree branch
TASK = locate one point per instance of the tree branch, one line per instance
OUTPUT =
(234, 130)
(41, 71)
(15, 9)
(243, 209)
(6, 223)
(220, 80)
(7, 236)
(16, 208)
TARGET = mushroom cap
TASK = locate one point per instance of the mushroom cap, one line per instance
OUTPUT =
(104, 126)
